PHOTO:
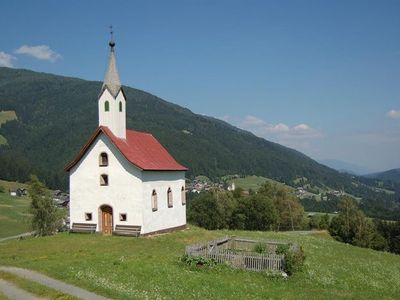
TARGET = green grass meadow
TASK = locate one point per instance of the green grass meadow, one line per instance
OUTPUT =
(251, 182)
(14, 215)
(12, 185)
(7, 115)
(3, 140)
(149, 267)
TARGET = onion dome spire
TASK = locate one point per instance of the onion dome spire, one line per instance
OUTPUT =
(111, 80)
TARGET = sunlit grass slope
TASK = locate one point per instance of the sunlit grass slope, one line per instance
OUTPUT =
(7, 115)
(130, 268)
(14, 215)
(251, 182)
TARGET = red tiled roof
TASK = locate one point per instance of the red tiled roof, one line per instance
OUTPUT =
(139, 148)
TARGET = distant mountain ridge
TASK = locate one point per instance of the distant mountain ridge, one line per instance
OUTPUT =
(392, 175)
(345, 167)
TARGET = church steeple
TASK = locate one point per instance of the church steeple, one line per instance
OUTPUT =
(111, 80)
(112, 100)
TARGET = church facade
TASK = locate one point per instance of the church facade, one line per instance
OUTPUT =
(124, 181)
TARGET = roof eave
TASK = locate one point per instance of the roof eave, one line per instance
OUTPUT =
(105, 87)
(166, 170)
(83, 150)
(101, 129)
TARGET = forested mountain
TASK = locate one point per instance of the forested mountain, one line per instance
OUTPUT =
(391, 175)
(56, 115)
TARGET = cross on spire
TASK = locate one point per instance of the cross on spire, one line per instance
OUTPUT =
(111, 43)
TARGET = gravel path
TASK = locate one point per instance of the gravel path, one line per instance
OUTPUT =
(15, 293)
(52, 283)
(26, 234)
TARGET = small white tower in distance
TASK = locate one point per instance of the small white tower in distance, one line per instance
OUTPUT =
(112, 102)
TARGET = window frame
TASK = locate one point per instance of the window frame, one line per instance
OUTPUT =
(170, 199)
(101, 156)
(104, 180)
(183, 195)
(88, 216)
(106, 106)
(123, 217)
(154, 200)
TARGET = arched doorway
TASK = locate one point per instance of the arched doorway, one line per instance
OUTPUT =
(106, 219)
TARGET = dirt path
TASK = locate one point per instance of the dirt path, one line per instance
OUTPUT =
(52, 283)
(26, 234)
(13, 292)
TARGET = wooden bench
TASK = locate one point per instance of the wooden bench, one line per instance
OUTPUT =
(83, 227)
(128, 230)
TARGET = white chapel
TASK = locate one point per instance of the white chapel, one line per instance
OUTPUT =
(124, 181)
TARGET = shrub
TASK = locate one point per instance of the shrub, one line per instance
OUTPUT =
(282, 249)
(293, 258)
(324, 222)
(294, 261)
(261, 248)
(198, 261)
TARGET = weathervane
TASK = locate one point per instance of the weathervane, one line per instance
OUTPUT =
(111, 43)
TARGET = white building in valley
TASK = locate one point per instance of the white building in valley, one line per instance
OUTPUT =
(124, 181)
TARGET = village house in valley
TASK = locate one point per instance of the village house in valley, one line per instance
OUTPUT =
(124, 181)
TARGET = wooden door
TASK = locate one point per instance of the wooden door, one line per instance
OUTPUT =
(107, 220)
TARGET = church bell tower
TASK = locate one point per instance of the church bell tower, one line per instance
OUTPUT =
(112, 102)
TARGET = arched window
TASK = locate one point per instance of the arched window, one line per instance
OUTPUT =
(154, 204)
(103, 159)
(103, 179)
(120, 106)
(169, 197)
(183, 196)
(106, 106)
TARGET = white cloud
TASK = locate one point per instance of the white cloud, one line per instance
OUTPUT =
(6, 60)
(301, 127)
(298, 136)
(393, 114)
(252, 121)
(260, 127)
(41, 52)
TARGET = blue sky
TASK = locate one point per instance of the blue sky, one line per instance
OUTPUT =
(322, 77)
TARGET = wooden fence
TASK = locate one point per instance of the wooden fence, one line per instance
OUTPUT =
(239, 253)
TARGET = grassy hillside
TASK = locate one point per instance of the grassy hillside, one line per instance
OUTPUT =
(7, 115)
(129, 268)
(4, 117)
(12, 185)
(3, 140)
(250, 182)
(14, 215)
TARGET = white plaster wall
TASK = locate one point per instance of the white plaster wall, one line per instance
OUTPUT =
(113, 119)
(120, 116)
(105, 118)
(123, 194)
(165, 217)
